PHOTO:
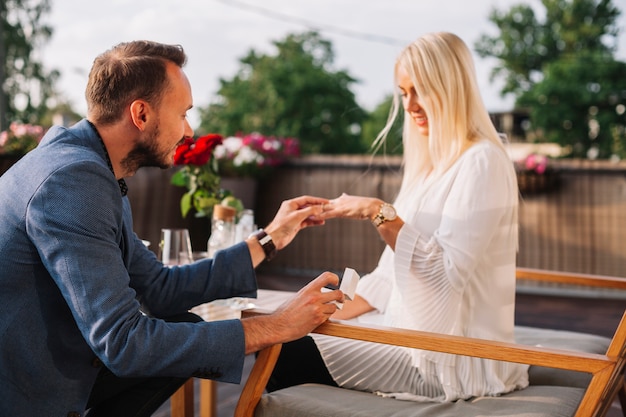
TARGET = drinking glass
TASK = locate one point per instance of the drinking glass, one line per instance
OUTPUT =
(175, 247)
(245, 225)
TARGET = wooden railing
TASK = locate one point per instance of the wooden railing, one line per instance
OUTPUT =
(578, 227)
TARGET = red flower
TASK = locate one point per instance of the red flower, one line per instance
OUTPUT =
(197, 152)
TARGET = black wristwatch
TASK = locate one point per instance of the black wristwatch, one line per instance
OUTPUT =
(266, 243)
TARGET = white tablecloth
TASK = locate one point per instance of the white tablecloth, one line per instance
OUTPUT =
(232, 307)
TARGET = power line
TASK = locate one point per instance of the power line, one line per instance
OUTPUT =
(369, 37)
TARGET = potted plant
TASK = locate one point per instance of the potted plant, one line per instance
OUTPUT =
(535, 174)
(199, 174)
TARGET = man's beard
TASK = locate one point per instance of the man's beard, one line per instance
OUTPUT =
(146, 153)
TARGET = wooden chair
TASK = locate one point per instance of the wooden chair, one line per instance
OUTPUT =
(606, 370)
(182, 402)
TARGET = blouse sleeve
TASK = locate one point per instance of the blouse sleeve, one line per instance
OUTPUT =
(478, 210)
(376, 286)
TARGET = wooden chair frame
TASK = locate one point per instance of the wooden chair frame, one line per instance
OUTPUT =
(182, 402)
(607, 370)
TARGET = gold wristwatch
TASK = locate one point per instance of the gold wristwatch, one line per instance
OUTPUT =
(386, 213)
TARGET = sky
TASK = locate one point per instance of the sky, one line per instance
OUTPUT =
(366, 35)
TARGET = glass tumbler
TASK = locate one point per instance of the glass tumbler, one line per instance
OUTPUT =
(175, 247)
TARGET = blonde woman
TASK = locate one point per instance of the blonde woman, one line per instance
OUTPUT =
(451, 234)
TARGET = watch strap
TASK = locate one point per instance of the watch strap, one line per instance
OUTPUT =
(380, 217)
(266, 243)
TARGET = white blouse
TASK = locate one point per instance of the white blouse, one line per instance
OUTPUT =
(453, 272)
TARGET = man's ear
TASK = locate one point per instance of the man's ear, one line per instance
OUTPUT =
(139, 112)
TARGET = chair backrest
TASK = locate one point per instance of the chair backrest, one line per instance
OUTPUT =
(606, 370)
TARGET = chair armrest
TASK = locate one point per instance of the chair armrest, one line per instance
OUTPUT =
(571, 278)
(459, 345)
(604, 368)
(255, 385)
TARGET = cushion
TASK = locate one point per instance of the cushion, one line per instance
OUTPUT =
(311, 400)
(560, 339)
(552, 392)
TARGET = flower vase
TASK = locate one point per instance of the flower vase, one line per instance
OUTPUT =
(244, 188)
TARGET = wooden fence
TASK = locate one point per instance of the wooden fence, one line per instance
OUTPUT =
(578, 227)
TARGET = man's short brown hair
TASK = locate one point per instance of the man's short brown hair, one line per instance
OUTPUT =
(127, 72)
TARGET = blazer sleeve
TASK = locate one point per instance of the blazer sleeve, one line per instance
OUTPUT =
(76, 222)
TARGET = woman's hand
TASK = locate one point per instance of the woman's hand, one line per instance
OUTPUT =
(363, 208)
(351, 207)
(352, 309)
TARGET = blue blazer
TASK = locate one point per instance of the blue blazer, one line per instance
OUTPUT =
(74, 280)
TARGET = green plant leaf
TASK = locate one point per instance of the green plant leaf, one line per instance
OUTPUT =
(185, 203)
(179, 179)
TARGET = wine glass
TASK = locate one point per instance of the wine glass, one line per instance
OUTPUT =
(175, 247)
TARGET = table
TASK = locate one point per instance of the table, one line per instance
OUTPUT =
(267, 300)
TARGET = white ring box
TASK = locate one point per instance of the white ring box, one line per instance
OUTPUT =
(347, 285)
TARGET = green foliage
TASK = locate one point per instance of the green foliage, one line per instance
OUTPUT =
(581, 104)
(293, 93)
(520, 47)
(376, 121)
(525, 44)
(203, 189)
(561, 68)
(20, 139)
(26, 84)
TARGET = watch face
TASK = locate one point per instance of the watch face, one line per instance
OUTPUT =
(388, 212)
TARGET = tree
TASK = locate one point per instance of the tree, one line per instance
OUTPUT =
(562, 70)
(294, 93)
(26, 85)
(580, 104)
(525, 45)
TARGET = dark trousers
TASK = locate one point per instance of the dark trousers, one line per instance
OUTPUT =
(112, 396)
(299, 362)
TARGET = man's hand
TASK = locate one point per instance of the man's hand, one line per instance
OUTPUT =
(293, 216)
(296, 317)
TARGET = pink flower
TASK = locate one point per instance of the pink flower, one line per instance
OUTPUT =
(20, 138)
(537, 163)
(254, 154)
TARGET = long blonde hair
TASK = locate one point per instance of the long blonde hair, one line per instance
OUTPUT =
(443, 74)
